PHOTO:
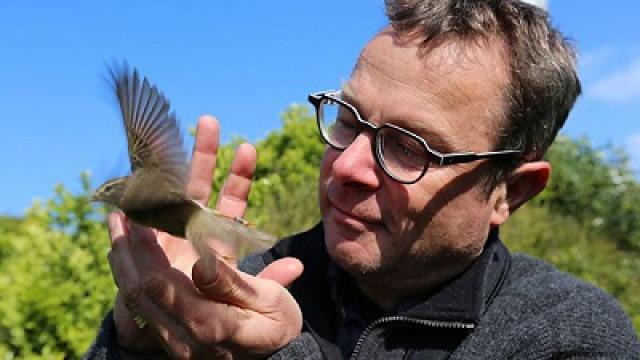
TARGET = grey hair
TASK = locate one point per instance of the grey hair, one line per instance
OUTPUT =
(543, 84)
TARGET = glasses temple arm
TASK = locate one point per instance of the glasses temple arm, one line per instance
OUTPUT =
(457, 158)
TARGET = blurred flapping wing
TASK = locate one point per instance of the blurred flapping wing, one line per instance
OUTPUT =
(153, 137)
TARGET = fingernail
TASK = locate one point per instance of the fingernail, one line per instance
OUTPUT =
(207, 270)
(115, 224)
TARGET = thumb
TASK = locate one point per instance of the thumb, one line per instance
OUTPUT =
(283, 271)
(222, 282)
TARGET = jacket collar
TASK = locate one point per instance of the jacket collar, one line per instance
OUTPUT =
(466, 297)
(462, 299)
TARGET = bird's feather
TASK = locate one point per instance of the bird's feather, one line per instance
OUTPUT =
(153, 137)
(154, 194)
(205, 226)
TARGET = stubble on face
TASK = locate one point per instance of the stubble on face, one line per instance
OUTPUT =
(379, 229)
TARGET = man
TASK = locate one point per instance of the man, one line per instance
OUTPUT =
(434, 141)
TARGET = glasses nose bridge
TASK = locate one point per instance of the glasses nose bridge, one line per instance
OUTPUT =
(371, 128)
(371, 131)
(367, 132)
(368, 125)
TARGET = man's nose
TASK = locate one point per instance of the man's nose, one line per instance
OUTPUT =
(357, 164)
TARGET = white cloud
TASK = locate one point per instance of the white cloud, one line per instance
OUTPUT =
(540, 3)
(620, 86)
(595, 58)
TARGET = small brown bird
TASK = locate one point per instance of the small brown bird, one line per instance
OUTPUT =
(154, 193)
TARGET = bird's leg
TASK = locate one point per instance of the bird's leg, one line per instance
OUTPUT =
(237, 219)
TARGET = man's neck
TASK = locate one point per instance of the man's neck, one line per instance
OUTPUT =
(388, 291)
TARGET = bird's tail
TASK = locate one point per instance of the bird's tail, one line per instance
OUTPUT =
(205, 228)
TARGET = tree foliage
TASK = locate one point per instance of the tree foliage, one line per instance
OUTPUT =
(596, 188)
(55, 284)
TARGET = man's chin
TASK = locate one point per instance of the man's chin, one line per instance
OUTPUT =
(355, 255)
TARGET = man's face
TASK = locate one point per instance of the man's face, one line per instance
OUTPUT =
(377, 228)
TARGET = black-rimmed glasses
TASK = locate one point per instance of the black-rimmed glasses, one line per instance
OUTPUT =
(403, 155)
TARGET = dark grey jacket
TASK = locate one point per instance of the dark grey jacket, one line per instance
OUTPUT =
(502, 307)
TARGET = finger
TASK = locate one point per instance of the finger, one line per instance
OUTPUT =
(135, 292)
(190, 316)
(160, 329)
(129, 299)
(223, 283)
(158, 292)
(180, 253)
(203, 161)
(122, 265)
(232, 200)
(237, 315)
(283, 271)
(128, 333)
(146, 252)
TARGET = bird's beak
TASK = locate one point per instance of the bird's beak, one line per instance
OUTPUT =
(92, 198)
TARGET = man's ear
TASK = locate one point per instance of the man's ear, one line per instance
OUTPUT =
(525, 182)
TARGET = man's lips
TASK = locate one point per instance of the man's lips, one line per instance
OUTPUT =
(348, 215)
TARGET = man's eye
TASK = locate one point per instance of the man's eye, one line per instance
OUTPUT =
(405, 147)
(404, 151)
(346, 123)
(407, 151)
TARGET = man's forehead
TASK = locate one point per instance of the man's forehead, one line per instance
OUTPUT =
(449, 79)
(443, 57)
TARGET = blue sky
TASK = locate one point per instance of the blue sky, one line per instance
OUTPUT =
(244, 62)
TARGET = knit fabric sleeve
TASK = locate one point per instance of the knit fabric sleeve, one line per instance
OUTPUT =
(543, 313)
(302, 347)
(104, 346)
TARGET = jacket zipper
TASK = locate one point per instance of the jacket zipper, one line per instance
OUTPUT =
(421, 322)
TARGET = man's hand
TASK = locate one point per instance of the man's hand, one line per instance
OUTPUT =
(192, 313)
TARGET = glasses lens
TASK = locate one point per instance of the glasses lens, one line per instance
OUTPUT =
(338, 123)
(403, 156)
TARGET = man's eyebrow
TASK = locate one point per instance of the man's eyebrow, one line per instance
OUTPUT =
(348, 94)
(423, 129)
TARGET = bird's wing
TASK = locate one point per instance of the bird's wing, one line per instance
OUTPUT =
(205, 226)
(153, 136)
